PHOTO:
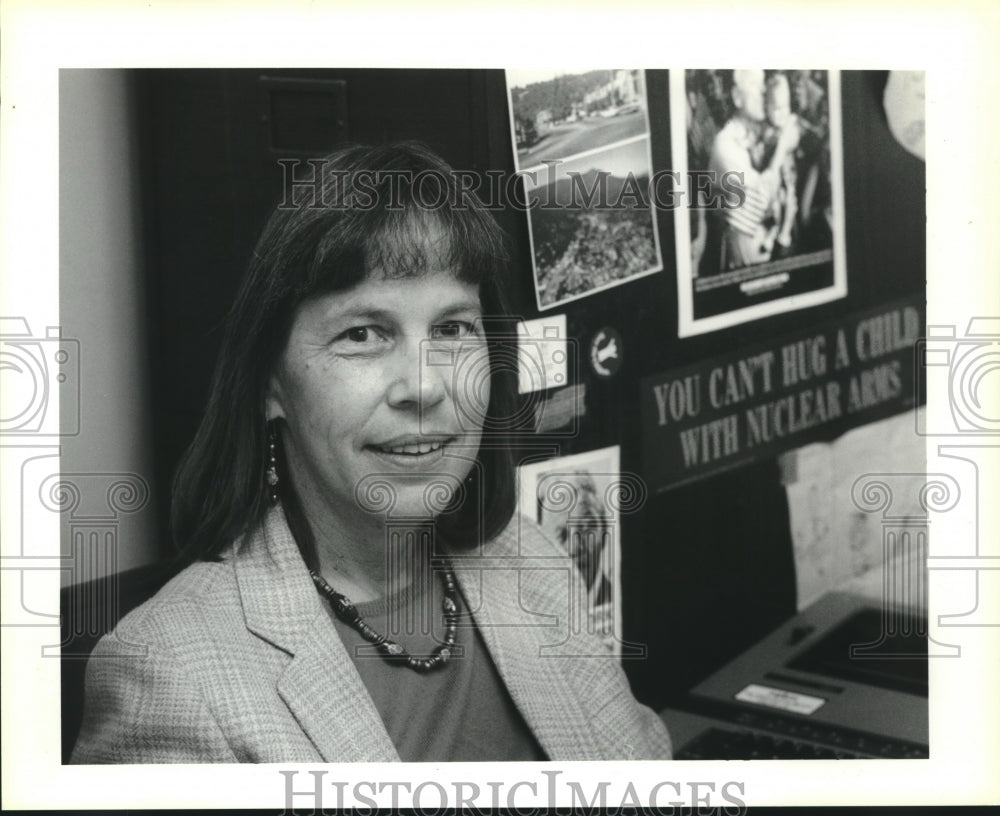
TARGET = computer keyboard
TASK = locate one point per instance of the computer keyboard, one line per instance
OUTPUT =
(719, 743)
(737, 743)
(735, 731)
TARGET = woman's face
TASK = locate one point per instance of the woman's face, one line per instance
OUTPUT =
(389, 380)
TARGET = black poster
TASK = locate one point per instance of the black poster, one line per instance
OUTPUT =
(759, 401)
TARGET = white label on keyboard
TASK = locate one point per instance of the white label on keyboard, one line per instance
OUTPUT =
(779, 698)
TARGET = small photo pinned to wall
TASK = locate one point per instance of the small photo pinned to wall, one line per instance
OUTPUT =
(577, 501)
(542, 354)
(582, 149)
(761, 231)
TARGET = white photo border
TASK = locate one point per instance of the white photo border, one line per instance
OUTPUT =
(953, 42)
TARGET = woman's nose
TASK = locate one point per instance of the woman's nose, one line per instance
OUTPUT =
(415, 381)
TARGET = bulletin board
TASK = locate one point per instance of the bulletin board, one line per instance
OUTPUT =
(704, 376)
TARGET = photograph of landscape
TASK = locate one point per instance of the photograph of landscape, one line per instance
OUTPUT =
(582, 144)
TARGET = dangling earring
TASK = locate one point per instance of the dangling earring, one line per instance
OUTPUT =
(271, 476)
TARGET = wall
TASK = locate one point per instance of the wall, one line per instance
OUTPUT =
(835, 540)
(102, 305)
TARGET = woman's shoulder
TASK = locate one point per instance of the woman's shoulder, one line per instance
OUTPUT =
(523, 537)
(200, 598)
(526, 553)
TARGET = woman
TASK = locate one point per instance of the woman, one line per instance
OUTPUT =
(354, 448)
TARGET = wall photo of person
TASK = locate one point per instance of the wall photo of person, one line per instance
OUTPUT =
(762, 232)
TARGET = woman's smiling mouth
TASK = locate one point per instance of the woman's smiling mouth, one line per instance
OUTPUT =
(418, 449)
(413, 448)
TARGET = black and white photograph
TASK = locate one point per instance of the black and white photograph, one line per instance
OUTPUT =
(557, 115)
(370, 440)
(583, 151)
(762, 229)
(572, 499)
(591, 224)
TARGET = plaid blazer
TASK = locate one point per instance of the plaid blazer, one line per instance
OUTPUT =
(242, 664)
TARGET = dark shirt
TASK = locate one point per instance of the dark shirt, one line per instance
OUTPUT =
(460, 712)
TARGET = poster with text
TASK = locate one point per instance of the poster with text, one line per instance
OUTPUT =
(582, 148)
(761, 230)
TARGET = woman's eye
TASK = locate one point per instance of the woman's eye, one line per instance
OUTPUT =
(360, 336)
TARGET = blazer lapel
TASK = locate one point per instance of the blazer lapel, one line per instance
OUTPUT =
(515, 639)
(320, 685)
(325, 693)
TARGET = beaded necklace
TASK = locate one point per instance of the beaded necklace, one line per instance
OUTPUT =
(394, 652)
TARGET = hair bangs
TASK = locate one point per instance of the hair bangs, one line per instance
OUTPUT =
(407, 241)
